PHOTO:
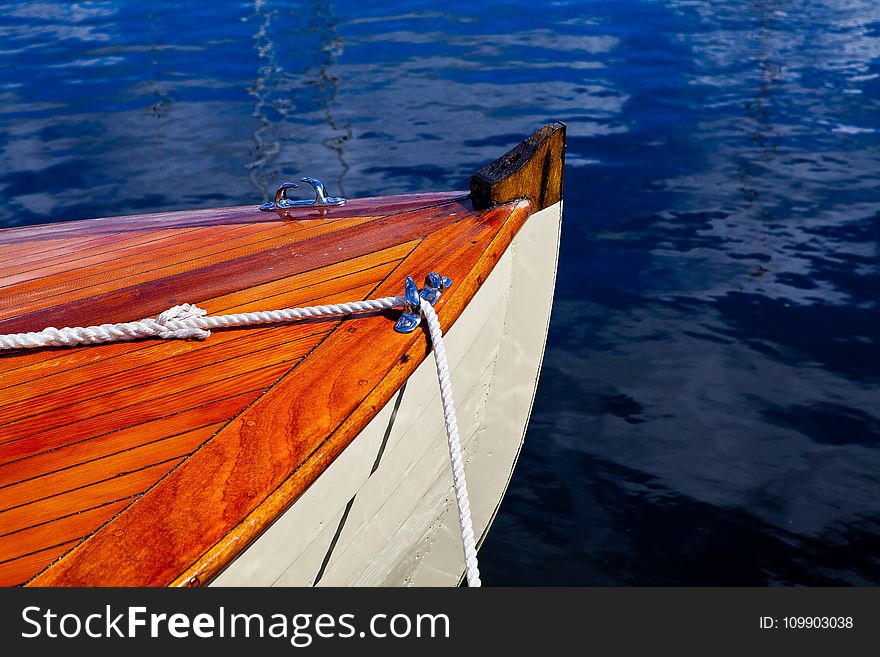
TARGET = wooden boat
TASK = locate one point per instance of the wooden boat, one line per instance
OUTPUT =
(304, 453)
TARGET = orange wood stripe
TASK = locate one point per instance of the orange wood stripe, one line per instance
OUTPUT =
(27, 297)
(241, 273)
(244, 477)
(23, 251)
(41, 263)
(27, 365)
(92, 472)
(311, 286)
(141, 368)
(18, 571)
(83, 474)
(41, 439)
(204, 418)
(72, 527)
(38, 417)
(179, 246)
(386, 205)
(78, 263)
(132, 483)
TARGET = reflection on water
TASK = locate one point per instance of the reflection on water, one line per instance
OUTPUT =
(709, 411)
(295, 93)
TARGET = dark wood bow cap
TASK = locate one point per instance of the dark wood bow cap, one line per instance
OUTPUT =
(533, 169)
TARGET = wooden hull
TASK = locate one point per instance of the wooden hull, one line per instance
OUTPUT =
(383, 514)
(158, 462)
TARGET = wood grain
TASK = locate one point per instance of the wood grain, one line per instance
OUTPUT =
(16, 571)
(213, 280)
(63, 530)
(534, 169)
(257, 465)
(296, 290)
(72, 453)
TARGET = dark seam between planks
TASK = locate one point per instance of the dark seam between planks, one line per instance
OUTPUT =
(116, 453)
(68, 290)
(228, 378)
(214, 280)
(73, 513)
(139, 468)
(48, 547)
(328, 320)
(110, 433)
(146, 345)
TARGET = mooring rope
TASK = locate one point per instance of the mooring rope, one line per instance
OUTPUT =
(455, 458)
(182, 322)
(188, 321)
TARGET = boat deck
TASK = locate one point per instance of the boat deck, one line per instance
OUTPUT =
(156, 462)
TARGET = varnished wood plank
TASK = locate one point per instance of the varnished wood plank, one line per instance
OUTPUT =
(533, 169)
(14, 249)
(307, 288)
(41, 439)
(50, 534)
(384, 205)
(81, 499)
(30, 463)
(42, 293)
(103, 226)
(17, 571)
(248, 472)
(145, 367)
(95, 471)
(22, 253)
(222, 278)
(34, 260)
(50, 412)
(188, 245)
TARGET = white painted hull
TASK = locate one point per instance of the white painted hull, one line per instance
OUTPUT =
(384, 514)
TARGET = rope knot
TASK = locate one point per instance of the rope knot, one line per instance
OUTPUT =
(174, 323)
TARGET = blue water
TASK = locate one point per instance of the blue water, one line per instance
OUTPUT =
(709, 409)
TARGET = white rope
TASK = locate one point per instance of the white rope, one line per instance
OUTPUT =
(182, 322)
(189, 321)
(458, 481)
